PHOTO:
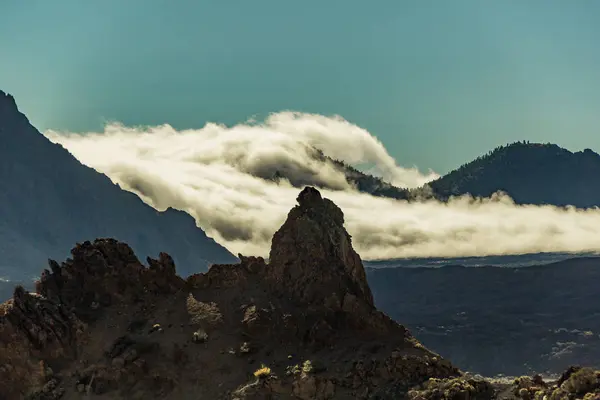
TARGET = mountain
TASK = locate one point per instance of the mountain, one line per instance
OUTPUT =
(49, 201)
(531, 173)
(363, 182)
(366, 183)
(302, 326)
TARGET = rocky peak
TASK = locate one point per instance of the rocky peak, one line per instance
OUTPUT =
(104, 324)
(7, 102)
(312, 256)
(9, 112)
(50, 325)
(105, 272)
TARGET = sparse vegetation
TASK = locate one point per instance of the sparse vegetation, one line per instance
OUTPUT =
(200, 336)
(583, 381)
(307, 367)
(529, 388)
(245, 348)
(263, 372)
(577, 383)
(452, 389)
(293, 370)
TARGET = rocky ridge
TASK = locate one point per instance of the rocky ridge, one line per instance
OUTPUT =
(302, 326)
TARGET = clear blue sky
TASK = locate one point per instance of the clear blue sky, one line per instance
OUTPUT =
(439, 82)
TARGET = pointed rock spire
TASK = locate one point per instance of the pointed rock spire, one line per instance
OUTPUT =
(312, 256)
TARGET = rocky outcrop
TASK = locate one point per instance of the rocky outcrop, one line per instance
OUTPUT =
(575, 383)
(34, 331)
(312, 257)
(301, 326)
(51, 326)
(103, 273)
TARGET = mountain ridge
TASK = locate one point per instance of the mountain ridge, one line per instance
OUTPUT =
(103, 323)
(531, 173)
(51, 201)
(567, 178)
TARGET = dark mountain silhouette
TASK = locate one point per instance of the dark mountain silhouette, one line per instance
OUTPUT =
(374, 185)
(362, 181)
(49, 201)
(531, 173)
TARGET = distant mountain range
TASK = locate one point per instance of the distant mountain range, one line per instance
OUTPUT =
(49, 201)
(531, 173)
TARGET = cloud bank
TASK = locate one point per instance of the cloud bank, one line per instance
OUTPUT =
(217, 174)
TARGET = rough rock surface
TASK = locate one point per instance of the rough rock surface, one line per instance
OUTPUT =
(102, 325)
(302, 326)
(575, 383)
(312, 254)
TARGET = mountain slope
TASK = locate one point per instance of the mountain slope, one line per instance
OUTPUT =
(363, 182)
(304, 326)
(373, 185)
(49, 201)
(104, 324)
(531, 173)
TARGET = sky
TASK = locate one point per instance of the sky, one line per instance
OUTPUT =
(437, 82)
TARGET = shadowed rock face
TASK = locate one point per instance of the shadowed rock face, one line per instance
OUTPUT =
(104, 323)
(312, 255)
(104, 273)
(51, 326)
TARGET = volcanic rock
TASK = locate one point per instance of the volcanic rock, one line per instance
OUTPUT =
(312, 256)
(301, 326)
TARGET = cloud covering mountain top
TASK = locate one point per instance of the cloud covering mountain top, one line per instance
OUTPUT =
(217, 174)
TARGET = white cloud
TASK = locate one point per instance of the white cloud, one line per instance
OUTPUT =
(214, 173)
